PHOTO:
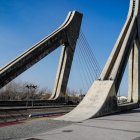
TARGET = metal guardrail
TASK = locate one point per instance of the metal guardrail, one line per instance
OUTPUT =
(34, 107)
(29, 103)
(10, 114)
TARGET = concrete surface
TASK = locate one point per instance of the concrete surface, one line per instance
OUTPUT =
(124, 126)
(22, 129)
(94, 103)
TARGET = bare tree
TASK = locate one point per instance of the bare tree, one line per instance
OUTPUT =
(19, 91)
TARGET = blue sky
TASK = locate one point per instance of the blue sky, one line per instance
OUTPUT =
(25, 22)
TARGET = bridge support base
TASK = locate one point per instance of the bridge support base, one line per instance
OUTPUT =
(100, 100)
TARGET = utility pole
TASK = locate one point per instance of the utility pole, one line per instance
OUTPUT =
(30, 87)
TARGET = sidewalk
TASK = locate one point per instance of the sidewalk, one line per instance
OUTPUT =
(124, 126)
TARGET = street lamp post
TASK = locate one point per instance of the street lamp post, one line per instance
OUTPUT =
(29, 87)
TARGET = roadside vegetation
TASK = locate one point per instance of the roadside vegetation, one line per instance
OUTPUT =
(19, 91)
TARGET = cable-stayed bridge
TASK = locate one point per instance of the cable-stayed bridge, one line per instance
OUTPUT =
(101, 98)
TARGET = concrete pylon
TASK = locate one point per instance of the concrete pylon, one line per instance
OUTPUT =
(101, 99)
(59, 91)
(65, 62)
(134, 73)
(66, 35)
